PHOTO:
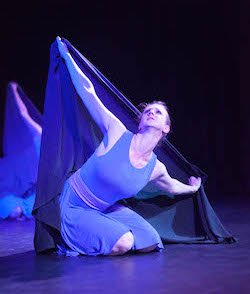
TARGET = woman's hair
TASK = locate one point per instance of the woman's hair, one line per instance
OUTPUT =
(143, 105)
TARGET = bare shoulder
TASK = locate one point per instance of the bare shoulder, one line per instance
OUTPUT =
(114, 133)
(159, 170)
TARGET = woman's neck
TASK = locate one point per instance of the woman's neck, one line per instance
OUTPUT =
(144, 142)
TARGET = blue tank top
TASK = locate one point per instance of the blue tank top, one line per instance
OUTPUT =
(111, 176)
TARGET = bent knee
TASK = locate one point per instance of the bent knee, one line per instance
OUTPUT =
(123, 245)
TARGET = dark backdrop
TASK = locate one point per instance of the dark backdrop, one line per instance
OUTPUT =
(184, 53)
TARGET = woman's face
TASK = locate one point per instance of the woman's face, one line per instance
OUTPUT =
(155, 115)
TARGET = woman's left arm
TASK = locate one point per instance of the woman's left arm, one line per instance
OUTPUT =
(173, 186)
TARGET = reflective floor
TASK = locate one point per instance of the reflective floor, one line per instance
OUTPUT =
(221, 268)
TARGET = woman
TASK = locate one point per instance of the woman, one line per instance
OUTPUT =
(92, 222)
(21, 147)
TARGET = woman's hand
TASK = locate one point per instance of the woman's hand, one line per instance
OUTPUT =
(195, 182)
(63, 49)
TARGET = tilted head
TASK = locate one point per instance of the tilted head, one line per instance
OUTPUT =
(155, 114)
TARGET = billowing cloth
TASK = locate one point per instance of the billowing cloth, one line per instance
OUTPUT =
(21, 145)
(70, 136)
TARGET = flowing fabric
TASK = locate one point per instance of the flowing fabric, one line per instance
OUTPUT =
(70, 136)
(21, 145)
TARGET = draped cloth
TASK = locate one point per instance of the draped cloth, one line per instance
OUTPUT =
(21, 144)
(70, 136)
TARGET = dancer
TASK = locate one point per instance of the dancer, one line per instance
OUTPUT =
(92, 222)
(75, 146)
(21, 146)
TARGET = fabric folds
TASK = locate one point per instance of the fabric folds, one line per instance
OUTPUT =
(70, 136)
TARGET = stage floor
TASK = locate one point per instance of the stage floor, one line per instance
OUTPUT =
(220, 268)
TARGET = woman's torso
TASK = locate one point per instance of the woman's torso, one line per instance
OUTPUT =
(111, 176)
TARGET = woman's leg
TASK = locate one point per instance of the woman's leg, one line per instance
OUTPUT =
(147, 249)
(89, 231)
(146, 238)
(123, 245)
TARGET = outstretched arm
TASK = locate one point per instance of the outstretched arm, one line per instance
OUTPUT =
(172, 186)
(85, 89)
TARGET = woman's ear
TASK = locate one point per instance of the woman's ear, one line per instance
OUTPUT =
(139, 126)
(166, 129)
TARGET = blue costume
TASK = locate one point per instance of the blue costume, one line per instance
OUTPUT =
(91, 219)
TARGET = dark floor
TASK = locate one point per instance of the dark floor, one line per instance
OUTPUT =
(221, 268)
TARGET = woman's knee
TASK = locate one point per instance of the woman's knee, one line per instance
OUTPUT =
(123, 245)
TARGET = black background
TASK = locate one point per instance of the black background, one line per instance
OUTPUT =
(183, 52)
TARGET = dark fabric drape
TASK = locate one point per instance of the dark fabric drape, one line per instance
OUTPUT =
(70, 136)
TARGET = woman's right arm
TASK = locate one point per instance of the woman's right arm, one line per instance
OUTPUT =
(162, 180)
(85, 89)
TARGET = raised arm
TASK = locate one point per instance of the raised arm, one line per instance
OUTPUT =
(163, 180)
(85, 89)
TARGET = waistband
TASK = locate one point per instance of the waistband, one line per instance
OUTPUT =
(81, 190)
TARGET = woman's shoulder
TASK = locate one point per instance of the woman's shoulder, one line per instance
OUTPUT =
(116, 129)
(110, 138)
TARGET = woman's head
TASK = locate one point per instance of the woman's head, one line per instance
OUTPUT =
(155, 114)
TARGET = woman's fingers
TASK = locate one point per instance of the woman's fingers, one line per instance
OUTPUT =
(191, 181)
(63, 49)
(194, 181)
(58, 39)
(199, 182)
